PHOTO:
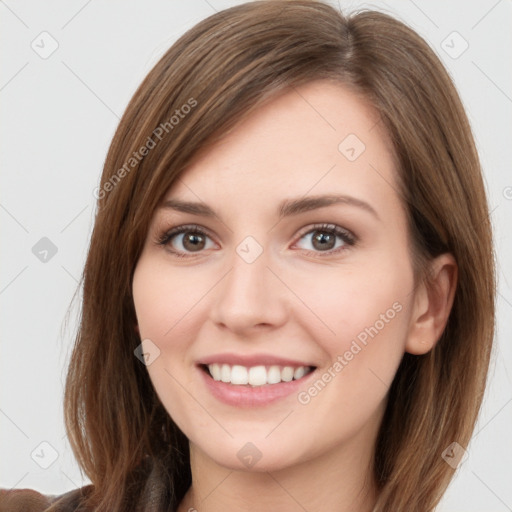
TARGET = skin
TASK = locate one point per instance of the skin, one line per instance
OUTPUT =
(297, 299)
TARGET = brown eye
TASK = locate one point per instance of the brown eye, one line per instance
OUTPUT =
(326, 238)
(193, 241)
(185, 240)
(323, 241)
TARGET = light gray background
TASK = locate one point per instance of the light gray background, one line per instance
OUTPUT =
(58, 116)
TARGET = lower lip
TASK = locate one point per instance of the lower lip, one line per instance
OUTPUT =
(248, 396)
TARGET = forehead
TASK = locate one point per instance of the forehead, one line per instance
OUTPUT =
(319, 138)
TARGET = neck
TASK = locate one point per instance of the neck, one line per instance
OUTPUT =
(340, 480)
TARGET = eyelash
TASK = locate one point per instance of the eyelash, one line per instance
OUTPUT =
(347, 237)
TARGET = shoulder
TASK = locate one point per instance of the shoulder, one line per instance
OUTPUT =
(28, 500)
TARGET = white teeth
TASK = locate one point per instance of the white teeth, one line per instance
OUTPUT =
(215, 371)
(225, 373)
(299, 372)
(256, 375)
(287, 374)
(239, 375)
(274, 375)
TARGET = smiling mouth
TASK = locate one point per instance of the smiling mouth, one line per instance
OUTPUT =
(254, 376)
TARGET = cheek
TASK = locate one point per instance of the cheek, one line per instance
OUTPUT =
(345, 306)
(165, 305)
(367, 314)
(361, 317)
(165, 301)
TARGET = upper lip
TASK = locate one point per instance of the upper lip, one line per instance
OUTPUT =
(250, 360)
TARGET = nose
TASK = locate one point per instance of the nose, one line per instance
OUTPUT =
(250, 297)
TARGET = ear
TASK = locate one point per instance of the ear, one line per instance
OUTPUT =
(137, 330)
(433, 302)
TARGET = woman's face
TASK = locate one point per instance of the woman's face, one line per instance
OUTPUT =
(276, 318)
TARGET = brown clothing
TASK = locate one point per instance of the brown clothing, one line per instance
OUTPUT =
(152, 497)
(28, 500)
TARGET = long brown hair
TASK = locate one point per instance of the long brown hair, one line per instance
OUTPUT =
(221, 70)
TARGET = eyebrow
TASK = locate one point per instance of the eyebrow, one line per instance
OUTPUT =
(287, 208)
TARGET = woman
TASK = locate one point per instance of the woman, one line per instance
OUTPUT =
(289, 292)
